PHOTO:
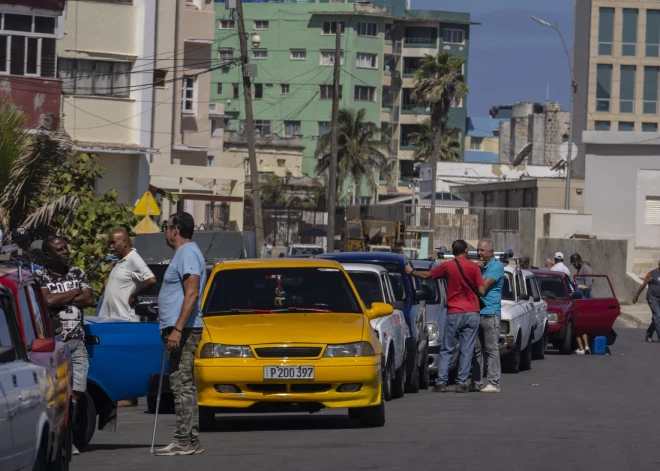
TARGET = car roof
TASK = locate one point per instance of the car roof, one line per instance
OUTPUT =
(365, 257)
(558, 274)
(423, 264)
(283, 262)
(316, 246)
(353, 267)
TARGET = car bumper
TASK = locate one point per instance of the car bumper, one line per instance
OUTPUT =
(506, 344)
(434, 358)
(556, 331)
(321, 390)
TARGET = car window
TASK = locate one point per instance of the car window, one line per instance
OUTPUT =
(28, 328)
(6, 345)
(368, 287)
(36, 310)
(432, 286)
(397, 286)
(552, 287)
(507, 289)
(389, 296)
(532, 288)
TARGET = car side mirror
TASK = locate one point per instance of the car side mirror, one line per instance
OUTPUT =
(43, 345)
(576, 295)
(537, 299)
(524, 297)
(379, 310)
(57, 325)
(422, 295)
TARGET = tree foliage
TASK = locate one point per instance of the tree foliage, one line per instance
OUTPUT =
(450, 145)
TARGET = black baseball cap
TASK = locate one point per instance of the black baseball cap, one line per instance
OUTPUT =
(575, 258)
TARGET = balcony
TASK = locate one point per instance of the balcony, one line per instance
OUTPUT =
(407, 145)
(415, 108)
(236, 138)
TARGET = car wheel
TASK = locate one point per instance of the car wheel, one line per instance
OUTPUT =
(565, 348)
(61, 462)
(399, 384)
(41, 460)
(412, 384)
(424, 378)
(206, 419)
(84, 422)
(511, 362)
(526, 356)
(538, 349)
(388, 373)
(166, 404)
(372, 416)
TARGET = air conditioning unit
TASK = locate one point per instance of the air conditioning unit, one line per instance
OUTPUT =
(213, 107)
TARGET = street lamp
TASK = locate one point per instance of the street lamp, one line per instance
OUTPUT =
(567, 196)
(475, 172)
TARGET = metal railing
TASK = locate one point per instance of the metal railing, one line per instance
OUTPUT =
(419, 40)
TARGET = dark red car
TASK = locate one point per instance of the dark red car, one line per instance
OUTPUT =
(569, 314)
(38, 332)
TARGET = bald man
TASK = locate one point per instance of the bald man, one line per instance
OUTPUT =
(129, 277)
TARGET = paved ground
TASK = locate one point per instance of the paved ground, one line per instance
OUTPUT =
(567, 413)
(636, 315)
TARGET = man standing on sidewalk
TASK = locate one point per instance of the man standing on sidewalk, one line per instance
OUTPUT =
(464, 284)
(652, 280)
(486, 348)
(179, 306)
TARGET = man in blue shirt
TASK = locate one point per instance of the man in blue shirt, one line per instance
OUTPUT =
(179, 309)
(487, 344)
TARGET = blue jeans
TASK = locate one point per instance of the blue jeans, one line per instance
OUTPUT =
(463, 326)
(654, 304)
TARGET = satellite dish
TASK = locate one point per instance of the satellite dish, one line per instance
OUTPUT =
(523, 154)
(563, 151)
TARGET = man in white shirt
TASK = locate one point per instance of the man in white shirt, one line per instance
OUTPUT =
(129, 277)
(559, 264)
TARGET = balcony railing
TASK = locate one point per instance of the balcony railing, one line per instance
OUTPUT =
(409, 71)
(415, 108)
(424, 41)
(407, 145)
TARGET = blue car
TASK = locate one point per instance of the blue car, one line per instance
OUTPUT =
(410, 297)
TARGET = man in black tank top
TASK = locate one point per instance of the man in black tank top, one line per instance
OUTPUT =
(653, 298)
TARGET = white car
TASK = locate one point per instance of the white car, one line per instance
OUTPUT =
(303, 250)
(25, 394)
(373, 285)
(523, 325)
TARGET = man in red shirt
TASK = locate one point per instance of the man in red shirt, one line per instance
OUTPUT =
(464, 286)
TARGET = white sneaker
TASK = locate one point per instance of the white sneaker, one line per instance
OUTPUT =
(490, 389)
(74, 450)
(174, 449)
(579, 352)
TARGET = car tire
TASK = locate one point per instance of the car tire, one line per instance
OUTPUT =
(399, 384)
(61, 462)
(424, 377)
(41, 460)
(511, 362)
(526, 356)
(538, 348)
(566, 346)
(412, 383)
(206, 419)
(84, 425)
(166, 404)
(388, 374)
(369, 417)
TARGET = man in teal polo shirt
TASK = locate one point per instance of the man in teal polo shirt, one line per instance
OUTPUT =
(487, 344)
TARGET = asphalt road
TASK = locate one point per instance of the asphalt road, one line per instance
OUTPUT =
(567, 413)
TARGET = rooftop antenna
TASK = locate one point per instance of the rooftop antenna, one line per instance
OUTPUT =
(547, 92)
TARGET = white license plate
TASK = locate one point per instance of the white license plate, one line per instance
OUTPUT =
(288, 372)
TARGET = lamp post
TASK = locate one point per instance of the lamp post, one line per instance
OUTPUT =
(567, 196)
(474, 171)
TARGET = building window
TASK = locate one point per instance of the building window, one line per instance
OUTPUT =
(261, 127)
(326, 92)
(324, 127)
(259, 54)
(292, 128)
(44, 25)
(284, 89)
(366, 60)
(364, 200)
(389, 64)
(28, 47)
(603, 87)
(420, 35)
(189, 94)
(605, 31)
(626, 126)
(281, 162)
(328, 58)
(652, 33)
(226, 55)
(330, 27)
(234, 92)
(649, 127)
(453, 36)
(389, 28)
(529, 198)
(602, 125)
(388, 97)
(367, 29)
(650, 99)
(476, 143)
(159, 78)
(85, 77)
(258, 91)
(226, 24)
(33, 57)
(627, 89)
(298, 54)
(261, 25)
(219, 89)
(652, 210)
(629, 32)
(364, 93)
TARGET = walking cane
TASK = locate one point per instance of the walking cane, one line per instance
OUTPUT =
(160, 389)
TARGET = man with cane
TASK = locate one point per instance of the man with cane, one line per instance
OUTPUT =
(179, 307)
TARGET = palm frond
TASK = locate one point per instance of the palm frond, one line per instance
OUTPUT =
(44, 215)
(14, 139)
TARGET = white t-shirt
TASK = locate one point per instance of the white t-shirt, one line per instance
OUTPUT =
(561, 267)
(126, 275)
(269, 248)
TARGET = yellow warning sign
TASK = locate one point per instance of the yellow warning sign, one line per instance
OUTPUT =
(147, 206)
(146, 226)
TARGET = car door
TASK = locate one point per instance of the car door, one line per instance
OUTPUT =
(528, 307)
(9, 459)
(596, 315)
(400, 328)
(540, 306)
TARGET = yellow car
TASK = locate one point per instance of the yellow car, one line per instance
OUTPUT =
(288, 334)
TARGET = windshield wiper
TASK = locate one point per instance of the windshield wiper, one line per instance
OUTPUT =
(302, 309)
(240, 310)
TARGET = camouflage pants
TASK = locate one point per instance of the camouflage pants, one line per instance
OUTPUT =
(182, 383)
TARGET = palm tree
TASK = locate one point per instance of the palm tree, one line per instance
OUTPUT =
(450, 148)
(274, 190)
(440, 82)
(358, 154)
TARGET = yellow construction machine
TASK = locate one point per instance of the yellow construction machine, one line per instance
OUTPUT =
(373, 236)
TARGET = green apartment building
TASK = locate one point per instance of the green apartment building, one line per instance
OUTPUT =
(292, 94)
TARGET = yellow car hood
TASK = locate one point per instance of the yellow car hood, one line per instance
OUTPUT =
(254, 329)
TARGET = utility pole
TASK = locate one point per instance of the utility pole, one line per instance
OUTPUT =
(249, 119)
(332, 186)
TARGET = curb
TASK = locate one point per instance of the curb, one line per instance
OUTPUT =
(632, 321)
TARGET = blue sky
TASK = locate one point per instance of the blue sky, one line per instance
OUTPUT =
(513, 58)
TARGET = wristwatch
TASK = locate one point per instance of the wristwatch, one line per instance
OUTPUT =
(178, 330)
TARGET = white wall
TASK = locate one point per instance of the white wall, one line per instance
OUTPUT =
(648, 184)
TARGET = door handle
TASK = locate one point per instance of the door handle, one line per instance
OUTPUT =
(14, 380)
(611, 307)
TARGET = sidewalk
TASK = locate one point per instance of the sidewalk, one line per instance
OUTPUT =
(636, 315)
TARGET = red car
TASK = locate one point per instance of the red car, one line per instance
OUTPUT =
(570, 315)
(39, 332)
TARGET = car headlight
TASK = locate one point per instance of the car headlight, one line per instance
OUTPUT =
(552, 317)
(504, 327)
(357, 349)
(433, 330)
(219, 350)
